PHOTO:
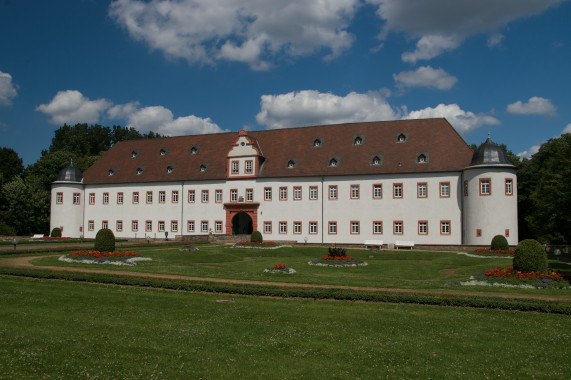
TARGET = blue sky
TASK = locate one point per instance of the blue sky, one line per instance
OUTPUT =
(206, 66)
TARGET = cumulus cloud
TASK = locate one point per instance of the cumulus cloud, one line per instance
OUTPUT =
(442, 25)
(530, 152)
(72, 107)
(567, 129)
(425, 76)
(535, 106)
(312, 107)
(463, 121)
(495, 40)
(249, 31)
(7, 89)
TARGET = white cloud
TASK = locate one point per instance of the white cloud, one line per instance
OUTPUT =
(463, 121)
(7, 89)
(567, 129)
(495, 39)
(425, 76)
(528, 153)
(122, 111)
(535, 106)
(311, 107)
(72, 107)
(250, 31)
(443, 24)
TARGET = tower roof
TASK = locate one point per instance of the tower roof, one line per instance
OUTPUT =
(490, 154)
(70, 174)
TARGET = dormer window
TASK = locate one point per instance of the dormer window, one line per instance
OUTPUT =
(170, 169)
(333, 162)
(134, 153)
(377, 160)
(163, 152)
(422, 158)
(202, 168)
(291, 164)
(358, 140)
(111, 172)
(140, 171)
(317, 142)
(194, 150)
(402, 137)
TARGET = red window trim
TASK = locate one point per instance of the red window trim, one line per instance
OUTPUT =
(336, 192)
(449, 227)
(373, 190)
(267, 224)
(329, 228)
(382, 227)
(57, 198)
(394, 227)
(316, 228)
(480, 187)
(351, 227)
(316, 193)
(418, 229)
(440, 187)
(217, 191)
(401, 190)
(418, 190)
(173, 192)
(193, 225)
(280, 227)
(358, 191)
(505, 186)
(271, 194)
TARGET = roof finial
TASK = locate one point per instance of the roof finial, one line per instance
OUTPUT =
(489, 135)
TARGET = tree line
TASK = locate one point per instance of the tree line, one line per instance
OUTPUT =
(544, 181)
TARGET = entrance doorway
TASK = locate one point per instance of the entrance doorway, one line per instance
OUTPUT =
(242, 224)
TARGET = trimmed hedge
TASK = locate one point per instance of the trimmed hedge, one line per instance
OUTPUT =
(104, 241)
(56, 232)
(257, 237)
(533, 305)
(499, 243)
(529, 256)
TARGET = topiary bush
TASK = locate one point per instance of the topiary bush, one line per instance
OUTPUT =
(499, 243)
(529, 256)
(56, 232)
(256, 237)
(105, 241)
(337, 252)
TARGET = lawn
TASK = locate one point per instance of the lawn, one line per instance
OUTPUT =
(55, 329)
(385, 269)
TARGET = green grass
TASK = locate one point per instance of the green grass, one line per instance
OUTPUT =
(386, 269)
(56, 329)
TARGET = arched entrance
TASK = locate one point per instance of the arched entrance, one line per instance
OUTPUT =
(242, 224)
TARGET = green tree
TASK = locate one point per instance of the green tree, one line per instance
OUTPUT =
(27, 207)
(10, 165)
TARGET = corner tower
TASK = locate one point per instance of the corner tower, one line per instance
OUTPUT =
(489, 197)
(67, 202)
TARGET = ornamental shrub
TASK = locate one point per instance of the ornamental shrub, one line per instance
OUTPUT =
(104, 241)
(529, 256)
(499, 243)
(256, 237)
(334, 252)
(56, 232)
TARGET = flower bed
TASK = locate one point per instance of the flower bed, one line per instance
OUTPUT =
(280, 268)
(96, 257)
(337, 261)
(508, 277)
(495, 251)
(188, 248)
(257, 245)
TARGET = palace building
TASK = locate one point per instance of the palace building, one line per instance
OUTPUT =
(406, 180)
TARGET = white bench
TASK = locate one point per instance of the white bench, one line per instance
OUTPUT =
(373, 243)
(37, 236)
(404, 243)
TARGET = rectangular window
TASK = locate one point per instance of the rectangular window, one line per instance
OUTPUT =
(377, 191)
(119, 226)
(59, 198)
(478, 232)
(283, 193)
(421, 190)
(423, 227)
(313, 192)
(174, 196)
(332, 228)
(249, 167)
(296, 193)
(354, 191)
(485, 186)
(509, 186)
(296, 227)
(204, 226)
(267, 227)
(204, 196)
(397, 190)
(174, 225)
(507, 232)
(91, 198)
(119, 198)
(398, 227)
(283, 227)
(466, 188)
(377, 227)
(444, 227)
(91, 225)
(76, 198)
(190, 226)
(234, 195)
(191, 196)
(267, 193)
(218, 226)
(355, 227)
(149, 197)
(134, 225)
(235, 167)
(105, 224)
(162, 196)
(332, 191)
(105, 198)
(135, 197)
(312, 228)
(148, 226)
(161, 226)
(249, 195)
(218, 196)
(444, 189)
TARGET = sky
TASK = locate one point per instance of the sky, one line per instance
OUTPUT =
(207, 66)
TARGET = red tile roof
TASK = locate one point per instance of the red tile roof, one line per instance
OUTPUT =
(436, 138)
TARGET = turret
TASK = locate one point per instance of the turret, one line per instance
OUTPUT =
(67, 202)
